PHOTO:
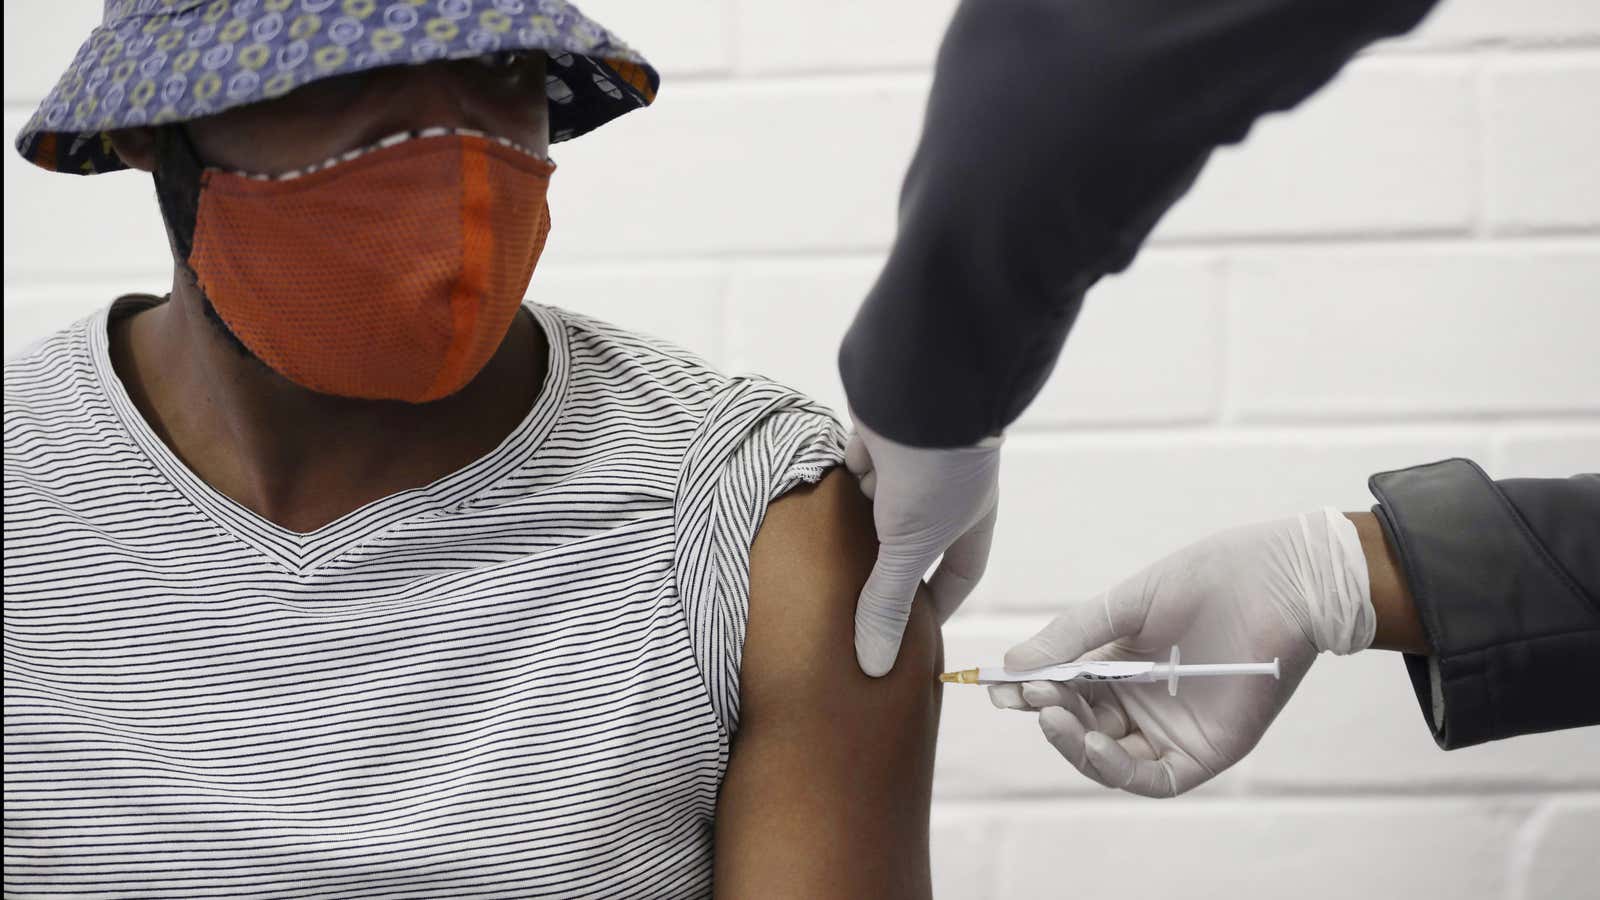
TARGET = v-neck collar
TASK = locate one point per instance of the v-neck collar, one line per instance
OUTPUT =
(302, 552)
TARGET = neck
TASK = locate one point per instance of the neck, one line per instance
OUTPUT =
(296, 457)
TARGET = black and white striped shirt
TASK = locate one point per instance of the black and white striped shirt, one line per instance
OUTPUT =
(518, 681)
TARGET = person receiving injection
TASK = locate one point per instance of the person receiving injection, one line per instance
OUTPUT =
(1020, 196)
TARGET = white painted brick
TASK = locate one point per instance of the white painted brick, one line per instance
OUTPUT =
(42, 37)
(1400, 332)
(786, 319)
(962, 849)
(906, 33)
(835, 35)
(1556, 857)
(682, 38)
(1547, 452)
(678, 303)
(1146, 348)
(840, 35)
(1079, 514)
(1386, 147)
(986, 752)
(1258, 850)
(1355, 724)
(1543, 155)
(1466, 22)
(780, 166)
(34, 311)
(718, 181)
(76, 227)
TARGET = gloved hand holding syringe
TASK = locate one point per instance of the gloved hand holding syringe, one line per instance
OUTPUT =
(1110, 670)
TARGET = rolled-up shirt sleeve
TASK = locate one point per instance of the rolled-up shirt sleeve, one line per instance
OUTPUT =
(1506, 580)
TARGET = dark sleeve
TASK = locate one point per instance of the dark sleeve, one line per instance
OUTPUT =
(1506, 578)
(1057, 133)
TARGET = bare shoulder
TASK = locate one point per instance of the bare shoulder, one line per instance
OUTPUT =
(813, 553)
(830, 779)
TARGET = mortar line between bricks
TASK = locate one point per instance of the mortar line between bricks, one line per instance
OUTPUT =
(1354, 432)
(1422, 417)
(1556, 238)
(1488, 787)
(1580, 239)
(1536, 46)
(1044, 435)
(1011, 804)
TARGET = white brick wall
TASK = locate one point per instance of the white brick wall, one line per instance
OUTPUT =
(1404, 269)
(1414, 332)
(1540, 169)
(1389, 149)
(1308, 849)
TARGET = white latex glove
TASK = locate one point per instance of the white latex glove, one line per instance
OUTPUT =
(1287, 589)
(924, 502)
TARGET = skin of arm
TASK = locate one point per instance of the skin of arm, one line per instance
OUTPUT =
(1399, 626)
(831, 772)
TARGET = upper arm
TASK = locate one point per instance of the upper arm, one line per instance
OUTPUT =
(828, 786)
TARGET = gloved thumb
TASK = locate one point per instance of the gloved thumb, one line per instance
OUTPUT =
(883, 608)
(856, 456)
(1085, 626)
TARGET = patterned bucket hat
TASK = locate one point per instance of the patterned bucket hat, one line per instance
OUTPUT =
(151, 62)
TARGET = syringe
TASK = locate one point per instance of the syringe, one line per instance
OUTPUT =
(1168, 671)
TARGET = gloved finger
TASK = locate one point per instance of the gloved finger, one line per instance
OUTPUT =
(1119, 768)
(1065, 733)
(869, 484)
(1110, 719)
(1078, 704)
(1136, 745)
(883, 607)
(856, 457)
(1083, 627)
(964, 563)
(1041, 694)
(1008, 696)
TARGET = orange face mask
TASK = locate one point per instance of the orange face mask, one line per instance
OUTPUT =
(392, 273)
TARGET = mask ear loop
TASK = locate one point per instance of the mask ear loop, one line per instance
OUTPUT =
(177, 175)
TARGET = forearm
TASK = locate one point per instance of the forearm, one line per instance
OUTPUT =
(1399, 628)
(1057, 133)
(1504, 578)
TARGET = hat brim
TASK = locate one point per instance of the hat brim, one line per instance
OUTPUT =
(159, 61)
